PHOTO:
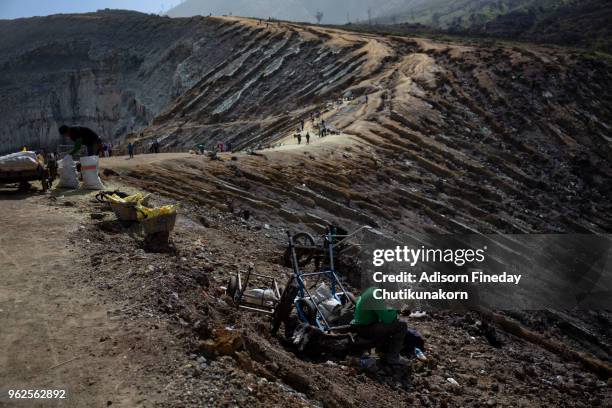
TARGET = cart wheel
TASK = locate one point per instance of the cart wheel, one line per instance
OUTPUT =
(283, 309)
(232, 287)
(304, 256)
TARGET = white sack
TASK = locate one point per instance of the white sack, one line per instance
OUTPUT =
(66, 169)
(22, 161)
(90, 171)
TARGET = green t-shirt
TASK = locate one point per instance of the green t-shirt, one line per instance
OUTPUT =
(77, 146)
(369, 310)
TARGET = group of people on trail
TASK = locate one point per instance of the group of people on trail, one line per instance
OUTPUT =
(154, 147)
(224, 147)
(321, 127)
(298, 136)
(220, 147)
(107, 149)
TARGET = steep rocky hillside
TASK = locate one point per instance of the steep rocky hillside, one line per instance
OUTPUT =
(464, 13)
(584, 23)
(112, 71)
(453, 138)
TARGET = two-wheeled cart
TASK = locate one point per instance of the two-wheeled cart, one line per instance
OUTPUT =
(300, 293)
(42, 173)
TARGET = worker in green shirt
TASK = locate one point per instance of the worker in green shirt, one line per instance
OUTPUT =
(373, 321)
(81, 136)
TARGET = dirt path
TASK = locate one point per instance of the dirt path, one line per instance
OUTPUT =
(54, 332)
(123, 162)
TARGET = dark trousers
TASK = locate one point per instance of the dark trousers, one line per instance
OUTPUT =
(389, 337)
(92, 149)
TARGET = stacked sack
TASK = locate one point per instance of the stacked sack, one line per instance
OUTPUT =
(22, 161)
(90, 169)
(68, 176)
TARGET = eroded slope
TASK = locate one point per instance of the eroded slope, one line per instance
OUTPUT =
(452, 138)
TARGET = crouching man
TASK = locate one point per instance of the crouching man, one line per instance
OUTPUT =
(374, 322)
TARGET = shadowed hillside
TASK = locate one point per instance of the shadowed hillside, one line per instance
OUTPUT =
(579, 23)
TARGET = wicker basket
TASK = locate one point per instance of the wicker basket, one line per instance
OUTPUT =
(125, 212)
(163, 223)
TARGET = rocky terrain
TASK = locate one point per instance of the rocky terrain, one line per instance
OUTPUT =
(575, 23)
(112, 70)
(226, 356)
(428, 136)
(453, 138)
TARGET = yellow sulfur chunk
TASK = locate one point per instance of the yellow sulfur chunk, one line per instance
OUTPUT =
(134, 199)
(144, 212)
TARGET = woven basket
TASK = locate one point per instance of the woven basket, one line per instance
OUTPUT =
(163, 223)
(125, 212)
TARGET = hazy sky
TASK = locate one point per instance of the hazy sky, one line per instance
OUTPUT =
(28, 8)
